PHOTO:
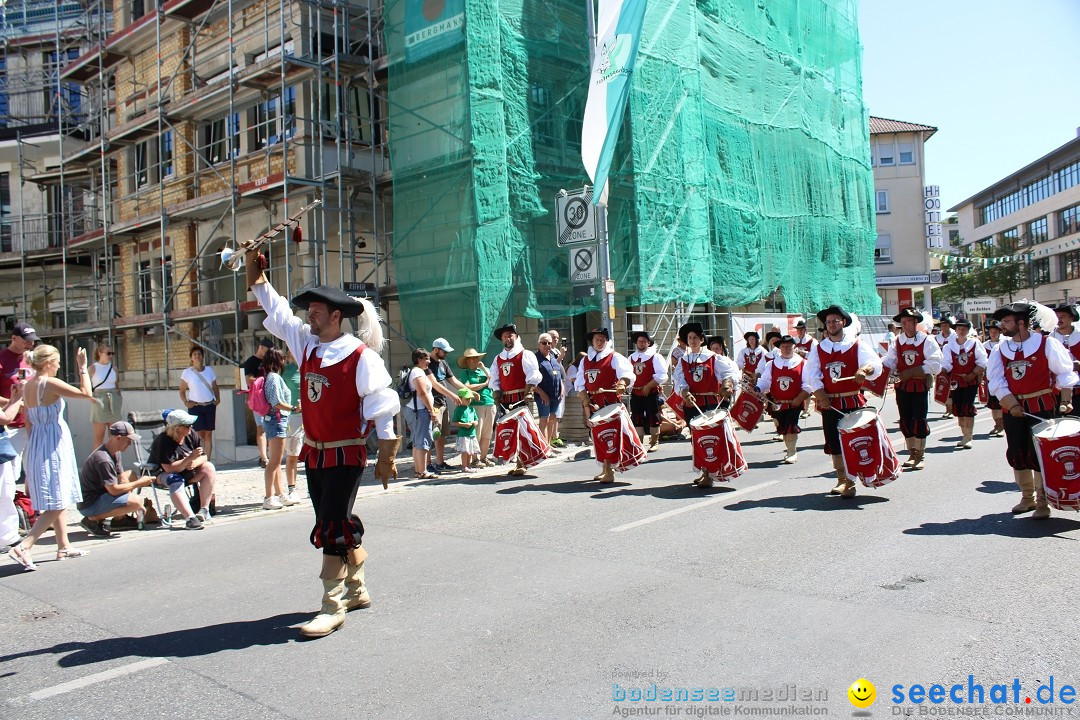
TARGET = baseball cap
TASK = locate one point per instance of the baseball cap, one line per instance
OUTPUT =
(26, 332)
(123, 429)
(442, 345)
(179, 417)
(267, 343)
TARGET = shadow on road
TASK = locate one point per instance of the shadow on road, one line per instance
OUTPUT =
(815, 502)
(1004, 524)
(996, 486)
(194, 642)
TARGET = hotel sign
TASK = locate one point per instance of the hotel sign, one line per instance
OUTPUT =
(932, 216)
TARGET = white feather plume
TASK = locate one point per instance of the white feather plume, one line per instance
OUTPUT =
(852, 331)
(1045, 317)
(368, 327)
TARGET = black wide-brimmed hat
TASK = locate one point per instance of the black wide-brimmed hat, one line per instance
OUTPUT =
(1071, 309)
(772, 334)
(349, 306)
(746, 335)
(1020, 309)
(691, 327)
(508, 326)
(640, 333)
(908, 312)
(786, 339)
(993, 325)
(597, 331)
(834, 310)
(963, 322)
(947, 319)
(717, 339)
(800, 324)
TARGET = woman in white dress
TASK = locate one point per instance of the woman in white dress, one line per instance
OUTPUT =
(52, 473)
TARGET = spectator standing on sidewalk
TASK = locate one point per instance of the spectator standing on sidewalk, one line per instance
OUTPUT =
(443, 382)
(294, 441)
(252, 368)
(103, 380)
(200, 394)
(475, 377)
(419, 411)
(275, 426)
(558, 350)
(9, 516)
(12, 360)
(549, 390)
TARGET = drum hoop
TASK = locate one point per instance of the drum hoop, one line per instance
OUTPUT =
(514, 414)
(605, 413)
(1051, 426)
(852, 416)
(709, 418)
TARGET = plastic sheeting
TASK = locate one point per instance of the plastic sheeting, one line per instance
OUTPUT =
(743, 165)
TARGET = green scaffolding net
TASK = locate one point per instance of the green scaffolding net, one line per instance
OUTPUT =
(743, 165)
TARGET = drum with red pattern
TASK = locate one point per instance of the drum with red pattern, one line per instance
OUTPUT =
(615, 439)
(747, 410)
(517, 437)
(675, 402)
(984, 392)
(868, 454)
(880, 384)
(942, 388)
(1057, 443)
(716, 449)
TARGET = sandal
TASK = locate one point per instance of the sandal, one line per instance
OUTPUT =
(18, 553)
(71, 553)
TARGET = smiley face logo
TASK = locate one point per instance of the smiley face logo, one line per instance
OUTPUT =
(862, 693)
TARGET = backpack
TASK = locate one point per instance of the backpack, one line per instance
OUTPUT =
(256, 399)
(404, 390)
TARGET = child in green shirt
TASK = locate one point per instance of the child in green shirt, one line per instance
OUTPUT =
(466, 420)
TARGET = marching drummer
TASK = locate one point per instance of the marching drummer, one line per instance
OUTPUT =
(750, 356)
(993, 331)
(804, 343)
(650, 371)
(1068, 335)
(834, 373)
(601, 380)
(718, 346)
(963, 362)
(781, 378)
(703, 380)
(915, 358)
(944, 326)
(517, 373)
(1021, 373)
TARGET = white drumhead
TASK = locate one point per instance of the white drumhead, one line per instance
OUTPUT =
(857, 418)
(1057, 428)
(604, 414)
(709, 418)
(516, 414)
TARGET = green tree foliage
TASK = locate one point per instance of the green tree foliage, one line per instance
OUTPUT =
(986, 270)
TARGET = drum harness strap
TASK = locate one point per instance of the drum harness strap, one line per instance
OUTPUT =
(334, 444)
(1045, 391)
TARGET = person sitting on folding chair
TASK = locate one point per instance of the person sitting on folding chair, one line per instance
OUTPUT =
(180, 455)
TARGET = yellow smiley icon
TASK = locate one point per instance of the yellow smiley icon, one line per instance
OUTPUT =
(862, 693)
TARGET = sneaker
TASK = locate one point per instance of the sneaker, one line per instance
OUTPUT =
(193, 523)
(432, 470)
(558, 442)
(443, 467)
(272, 503)
(204, 514)
(290, 499)
(95, 528)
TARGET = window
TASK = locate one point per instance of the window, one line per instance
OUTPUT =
(1010, 239)
(1035, 191)
(140, 159)
(1070, 220)
(3, 93)
(63, 100)
(356, 123)
(138, 9)
(145, 299)
(154, 289)
(986, 242)
(907, 153)
(1070, 265)
(883, 249)
(882, 201)
(886, 154)
(165, 152)
(272, 121)
(1037, 230)
(1040, 272)
(5, 213)
(542, 111)
(215, 137)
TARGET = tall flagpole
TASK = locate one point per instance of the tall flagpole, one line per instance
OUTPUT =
(606, 284)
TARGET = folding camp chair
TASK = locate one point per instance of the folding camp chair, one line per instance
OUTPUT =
(153, 421)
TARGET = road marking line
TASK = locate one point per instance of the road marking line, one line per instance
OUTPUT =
(96, 678)
(695, 506)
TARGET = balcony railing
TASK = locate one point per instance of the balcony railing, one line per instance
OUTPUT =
(47, 231)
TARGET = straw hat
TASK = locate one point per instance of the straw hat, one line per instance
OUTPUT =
(469, 353)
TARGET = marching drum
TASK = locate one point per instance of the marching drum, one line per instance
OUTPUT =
(615, 439)
(747, 410)
(1057, 443)
(879, 385)
(517, 437)
(984, 392)
(943, 388)
(675, 402)
(868, 454)
(716, 449)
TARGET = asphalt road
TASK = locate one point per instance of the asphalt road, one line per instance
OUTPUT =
(545, 596)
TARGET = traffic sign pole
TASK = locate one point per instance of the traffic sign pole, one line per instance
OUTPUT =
(608, 310)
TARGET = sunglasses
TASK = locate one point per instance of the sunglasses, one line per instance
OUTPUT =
(108, 352)
(545, 342)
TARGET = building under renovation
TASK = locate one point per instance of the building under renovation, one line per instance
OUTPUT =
(143, 138)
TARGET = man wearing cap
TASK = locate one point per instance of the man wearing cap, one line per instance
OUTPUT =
(963, 362)
(703, 379)
(914, 358)
(516, 375)
(993, 331)
(345, 393)
(179, 453)
(106, 486)
(1021, 373)
(446, 385)
(835, 372)
(748, 358)
(23, 338)
(602, 378)
(252, 368)
(650, 372)
(781, 378)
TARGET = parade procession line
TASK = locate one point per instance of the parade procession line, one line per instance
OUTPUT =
(695, 506)
(83, 682)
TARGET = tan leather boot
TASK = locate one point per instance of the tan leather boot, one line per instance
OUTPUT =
(356, 594)
(654, 441)
(791, 453)
(1026, 482)
(386, 465)
(920, 453)
(706, 481)
(841, 475)
(608, 476)
(331, 615)
(1042, 510)
(910, 443)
